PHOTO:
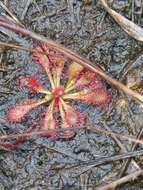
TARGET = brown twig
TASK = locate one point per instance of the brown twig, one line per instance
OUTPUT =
(126, 164)
(93, 129)
(88, 165)
(114, 137)
(30, 134)
(127, 66)
(3, 44)
(120, 181)
(123, 149)
(125, 137)
(73, 56)
(13, 46)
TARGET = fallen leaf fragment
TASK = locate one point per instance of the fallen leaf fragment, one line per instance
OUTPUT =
(128, 26)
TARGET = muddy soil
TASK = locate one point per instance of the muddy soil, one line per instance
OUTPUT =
(84, 27)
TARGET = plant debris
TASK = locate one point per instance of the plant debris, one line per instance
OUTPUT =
(128, 26)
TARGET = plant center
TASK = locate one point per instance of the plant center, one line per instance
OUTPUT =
(58, 92)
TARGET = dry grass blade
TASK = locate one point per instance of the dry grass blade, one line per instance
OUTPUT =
(121, 136)
(128, 26)
(73, 56)
(126, 164)
(10, 13)
(3, 44)
(25, 9)
(106, 160)
(31, 134)
(93, 129)
(120, 181)
(123, 149)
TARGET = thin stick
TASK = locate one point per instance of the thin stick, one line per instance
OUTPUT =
(123, 149)
(31, 50)
(129, 64)
(3, 44)
(73, 57)
(126, 137)
(106, 160)
(30, 134)
(126, 164)
(10, 13)
(120, 181)
(25, 9)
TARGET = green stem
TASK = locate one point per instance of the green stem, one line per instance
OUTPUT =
(76, 95)
(70, 88)
(42, 91)
(51, 80)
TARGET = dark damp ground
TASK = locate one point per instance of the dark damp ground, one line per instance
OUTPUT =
(83, 26)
